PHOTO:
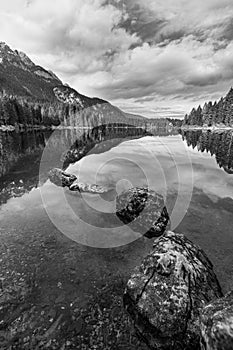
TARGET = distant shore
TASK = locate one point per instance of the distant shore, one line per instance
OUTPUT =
(7, 128)
(17, 128)
(10, 128)
(22, 128)
(206, 128)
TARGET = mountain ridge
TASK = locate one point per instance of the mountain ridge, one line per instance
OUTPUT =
(19, 59)
(31, 95)
(20, 77)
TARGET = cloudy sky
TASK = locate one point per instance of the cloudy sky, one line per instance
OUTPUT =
(151, 57)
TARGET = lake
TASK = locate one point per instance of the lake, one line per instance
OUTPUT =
(67, 256)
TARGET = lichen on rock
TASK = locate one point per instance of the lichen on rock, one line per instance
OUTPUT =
(143, 210)
(166, 292)
(61, 178)
(217, 324)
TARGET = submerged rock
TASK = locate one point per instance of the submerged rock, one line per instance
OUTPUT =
(144, 210)
(217, 324)
(166, 293)
(91, 188)
(63, 179)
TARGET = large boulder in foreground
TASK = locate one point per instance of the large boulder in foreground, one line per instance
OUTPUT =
(217, 324)
(166, 293)
(143, 210)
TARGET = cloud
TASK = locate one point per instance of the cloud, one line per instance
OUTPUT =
(160, 56)
(81, 34)
(189, 16)
(165, 70)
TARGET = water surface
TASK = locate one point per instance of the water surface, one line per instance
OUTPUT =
(192, 171)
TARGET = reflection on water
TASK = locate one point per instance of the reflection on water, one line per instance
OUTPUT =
(218, 143)
(95, 140)
(14, 146)
(20, 158)
(117, 157)
(20, 153)
(76, 283)
(19, 162)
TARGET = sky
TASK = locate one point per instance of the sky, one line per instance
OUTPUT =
(157, 58)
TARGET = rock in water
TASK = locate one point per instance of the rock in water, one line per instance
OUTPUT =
(90, 188)
(217, 324)
(143, 210)
(61, 178)
(166, 292)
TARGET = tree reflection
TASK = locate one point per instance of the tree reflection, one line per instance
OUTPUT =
(218, 143)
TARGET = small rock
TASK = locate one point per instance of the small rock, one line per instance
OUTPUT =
(61, 178)
(79, 325)
(59, 284)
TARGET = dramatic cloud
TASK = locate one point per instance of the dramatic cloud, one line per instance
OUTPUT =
(157, 58)
(83, 33)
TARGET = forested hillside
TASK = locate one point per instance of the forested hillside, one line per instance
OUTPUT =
(219, 113)
(25, 113)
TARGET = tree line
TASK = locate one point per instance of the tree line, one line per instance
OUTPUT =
(213, 114)
(26, 112)
(23, 111)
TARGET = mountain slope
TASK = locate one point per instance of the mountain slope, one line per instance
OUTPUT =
(19, 76)
(31, 95)
(66, 94)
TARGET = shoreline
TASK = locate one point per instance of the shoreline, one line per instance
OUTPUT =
(211, 128)
(10, 128)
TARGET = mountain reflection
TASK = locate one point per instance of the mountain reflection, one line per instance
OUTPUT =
(101, 139)
(218, 143)
(20, 153)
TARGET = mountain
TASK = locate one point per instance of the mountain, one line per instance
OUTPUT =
(33, 96)
(19, 76)
(219, 113)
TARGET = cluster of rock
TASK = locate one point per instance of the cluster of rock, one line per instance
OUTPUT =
(63, 179)
(174, 297)
(140, 208)
(166, 293)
